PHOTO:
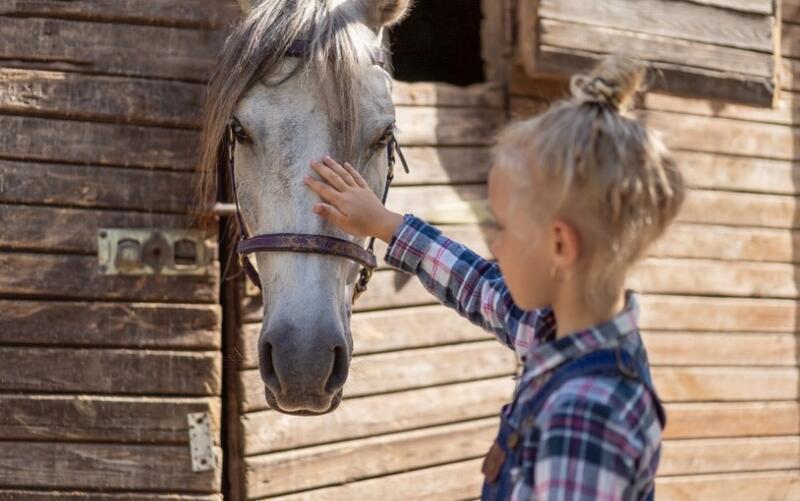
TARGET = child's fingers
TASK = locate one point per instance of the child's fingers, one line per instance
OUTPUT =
(343, 174)
(329, 175)
(329, 212)
(356, 175)
(322, 189)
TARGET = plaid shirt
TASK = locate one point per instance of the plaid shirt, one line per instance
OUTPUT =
(596, 437)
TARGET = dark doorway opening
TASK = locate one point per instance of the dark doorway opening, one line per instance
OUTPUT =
(439, 42)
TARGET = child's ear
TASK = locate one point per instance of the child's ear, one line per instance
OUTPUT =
(566, 244)
(380, 13)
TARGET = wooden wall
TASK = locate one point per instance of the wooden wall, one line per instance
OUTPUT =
(99, 119)
(720, 291)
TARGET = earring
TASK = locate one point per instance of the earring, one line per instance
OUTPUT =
(554, 272)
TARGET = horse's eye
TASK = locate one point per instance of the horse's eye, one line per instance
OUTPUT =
(387, 136)
(238, 132)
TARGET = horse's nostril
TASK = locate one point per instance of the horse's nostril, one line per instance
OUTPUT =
(338, 372)
(268, 374)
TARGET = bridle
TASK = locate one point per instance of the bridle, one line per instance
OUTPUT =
(305, 243)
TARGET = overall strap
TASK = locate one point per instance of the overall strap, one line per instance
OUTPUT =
(609, 362)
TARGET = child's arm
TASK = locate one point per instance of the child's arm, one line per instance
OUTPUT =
(460, 279)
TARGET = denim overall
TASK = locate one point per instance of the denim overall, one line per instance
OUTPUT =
(609, 362)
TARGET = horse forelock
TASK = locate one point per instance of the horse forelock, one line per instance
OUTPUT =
(253, 51)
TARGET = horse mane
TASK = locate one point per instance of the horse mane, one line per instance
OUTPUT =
(254, 49)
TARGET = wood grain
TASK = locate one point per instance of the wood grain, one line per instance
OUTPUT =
(426, 126)
(732, 419)
(715, 455)
(726, 384)
(772, 486)
(40, 495)
(440, 94)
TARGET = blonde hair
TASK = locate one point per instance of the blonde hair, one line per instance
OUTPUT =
(599, 168)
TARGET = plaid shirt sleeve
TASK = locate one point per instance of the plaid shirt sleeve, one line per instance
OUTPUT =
(461, 280)
(585, 451)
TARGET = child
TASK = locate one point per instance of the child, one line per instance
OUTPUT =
(577, 193)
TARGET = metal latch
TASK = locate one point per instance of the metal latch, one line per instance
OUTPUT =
(149, 252)
(200, 441)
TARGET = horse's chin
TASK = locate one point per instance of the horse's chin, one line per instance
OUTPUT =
(273, 404)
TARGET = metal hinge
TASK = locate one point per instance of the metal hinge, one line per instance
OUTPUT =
(200, 442)
(126, 251)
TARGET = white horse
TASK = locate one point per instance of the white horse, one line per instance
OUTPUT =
(287, 112)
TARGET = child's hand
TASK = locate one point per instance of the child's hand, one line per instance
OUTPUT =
(352, 205)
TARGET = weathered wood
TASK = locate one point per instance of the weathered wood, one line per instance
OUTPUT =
(103, 466)
(77, 277)
(714, 278)
(723, 135)
(674, 348)
(403, 370)
(29, 495)
(101, 98)
(453, 481)
(760, 7)
(124, 325)
(680, 384)
(381, 331)
(425, 126)
(107, 48)
(790, 46)
(488, 95)
(53, 229)
(729, 244)
(101, 419)
(28, 138)
(740, 209)
(790, 12)
(681, 313)
(773, 486)
(120, 372)
(724, 172)
(790, 74)
(732, 419)
(686, 457)
(444, 165)
(352, 461)
(89, 186)
(424, 201)
(182, 13)
(674, 20)
(269, 431)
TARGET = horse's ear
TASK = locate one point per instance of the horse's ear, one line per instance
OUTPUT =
(380, 13)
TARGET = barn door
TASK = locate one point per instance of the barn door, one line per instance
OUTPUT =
(110, 363)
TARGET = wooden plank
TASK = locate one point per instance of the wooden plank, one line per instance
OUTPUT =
(352, 461)
(724, 172)
(739, 209)
(440, 94)
(681, 313)
(453, 481)
(732, 419)
(790, 74)
(767, 486)
(726, 384)
(784, 112)
(40, 228)
(673, 20)
(431, 165)
(102, 419)
(89, 186)
(120, 372)
(182, 13)
(425, 201)
(686, 457)
(426, 126)
(381, 331)
(123, 325)
(674, 348)
(790, 39)
(269, 431)
(28, 138)
(403, 370)
(714, 278)
(790, 11)
(723, 135)
(109, 48)
(30, 495)
(77, 277)
(101, 98)
(728, 244)
(760, 7)
(103, 466)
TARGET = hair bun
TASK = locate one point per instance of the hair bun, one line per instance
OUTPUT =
(613, 82)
